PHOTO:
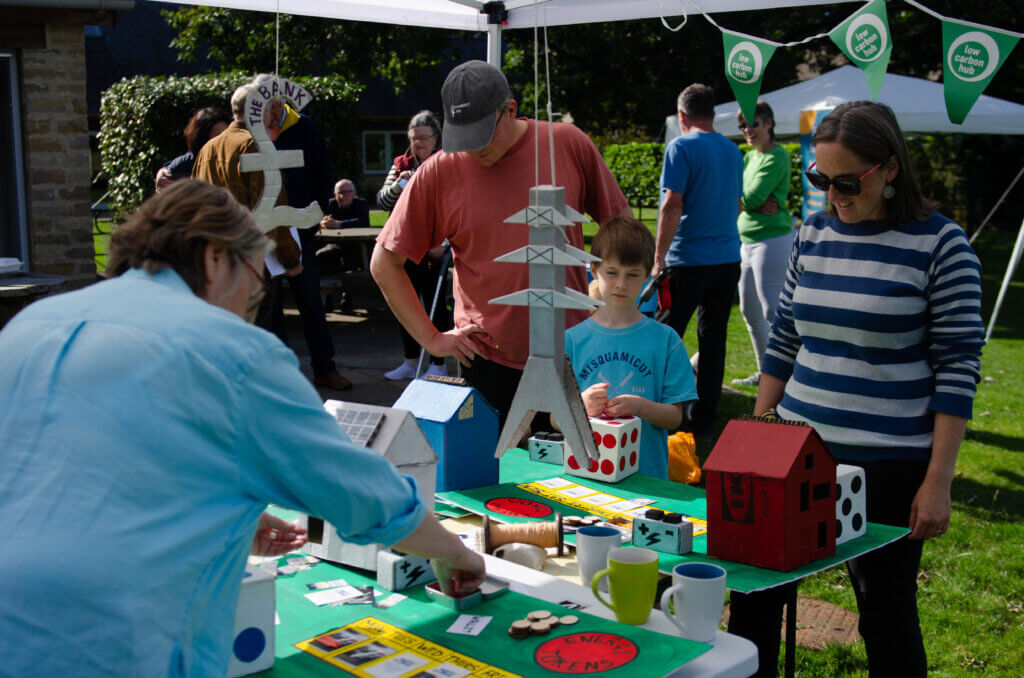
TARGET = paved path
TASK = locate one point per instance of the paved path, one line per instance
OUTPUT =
(367, 344)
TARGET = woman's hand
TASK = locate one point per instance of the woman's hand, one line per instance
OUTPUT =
(930, 512)
(275, 536)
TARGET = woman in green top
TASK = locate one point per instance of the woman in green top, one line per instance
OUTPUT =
(766, 229)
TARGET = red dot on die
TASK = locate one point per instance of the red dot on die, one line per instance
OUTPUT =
(632, 459)
(597, 438)
(593, 466)
(633, 435)
(607, 467)
(573, 464)
(622, 463)
(609, 440)
(623, 443)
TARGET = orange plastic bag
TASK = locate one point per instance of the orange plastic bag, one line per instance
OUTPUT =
(683, 466)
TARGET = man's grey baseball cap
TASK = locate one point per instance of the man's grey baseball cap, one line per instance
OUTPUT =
(471, 96)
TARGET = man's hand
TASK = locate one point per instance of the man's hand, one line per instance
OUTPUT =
(292, 272)
(275, 536)
(458, 344)
(769, 206)
(659, 266)
(329, 222)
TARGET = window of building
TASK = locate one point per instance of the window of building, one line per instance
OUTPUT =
(13, 223)
(380, 149)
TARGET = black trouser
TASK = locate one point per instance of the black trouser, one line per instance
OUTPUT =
(424, 276)
(305, 289)
(710, 290)
(884, 582)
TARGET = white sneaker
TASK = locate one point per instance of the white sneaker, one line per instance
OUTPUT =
(403, 371)
(752, 380)
(436, 370)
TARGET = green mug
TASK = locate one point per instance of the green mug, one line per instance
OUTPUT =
(632, 581)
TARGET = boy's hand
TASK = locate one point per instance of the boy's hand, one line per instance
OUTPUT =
(624, 405)
(595, 399)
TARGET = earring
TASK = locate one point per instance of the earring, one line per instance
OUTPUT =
(888, 192)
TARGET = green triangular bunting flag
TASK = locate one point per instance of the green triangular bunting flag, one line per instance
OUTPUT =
(865, 40)
(745, 60)
(971, 56)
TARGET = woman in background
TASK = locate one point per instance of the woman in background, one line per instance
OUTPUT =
(424, 141)
(766, 229)
(205, 124)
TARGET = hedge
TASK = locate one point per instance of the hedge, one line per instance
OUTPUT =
(143, 119)
(637, 169)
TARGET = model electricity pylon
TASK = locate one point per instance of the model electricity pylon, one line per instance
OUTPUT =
(548, 383)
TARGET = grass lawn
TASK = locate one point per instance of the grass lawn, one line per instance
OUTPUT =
(971, 597)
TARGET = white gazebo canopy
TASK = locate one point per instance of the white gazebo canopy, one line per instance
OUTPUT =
(919, 105)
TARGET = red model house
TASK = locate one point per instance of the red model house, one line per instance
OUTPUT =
(771, 495)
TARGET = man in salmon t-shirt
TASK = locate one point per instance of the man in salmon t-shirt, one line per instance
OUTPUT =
(465, 194)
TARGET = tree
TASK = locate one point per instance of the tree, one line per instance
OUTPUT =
(245, 41)
(624, 77)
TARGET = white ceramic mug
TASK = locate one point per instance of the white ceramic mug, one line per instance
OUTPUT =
(699, 595)
(593, 543)
(529, 555)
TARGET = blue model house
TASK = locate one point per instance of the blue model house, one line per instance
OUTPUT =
(462, 428)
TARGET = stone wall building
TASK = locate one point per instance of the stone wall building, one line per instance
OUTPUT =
(45, 218)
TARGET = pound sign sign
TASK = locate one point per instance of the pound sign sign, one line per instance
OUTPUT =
(271, 161)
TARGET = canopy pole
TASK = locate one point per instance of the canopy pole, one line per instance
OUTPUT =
(1010, 270)
(494, 45)
(998, 203)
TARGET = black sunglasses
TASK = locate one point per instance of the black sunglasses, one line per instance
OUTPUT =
(844, 186)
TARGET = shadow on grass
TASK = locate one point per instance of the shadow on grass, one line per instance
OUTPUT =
(1007, 443)
(991, 502)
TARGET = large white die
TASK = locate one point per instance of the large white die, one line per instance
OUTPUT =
(618, 445)
(851, 503)
(252, 649)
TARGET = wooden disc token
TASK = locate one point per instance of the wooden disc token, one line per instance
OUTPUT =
(552, 621)
(572, 521)
(538, 615)
(539, 628)
(568, 619)
(519, 629)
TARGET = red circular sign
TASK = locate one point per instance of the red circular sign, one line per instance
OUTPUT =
(607, 467)
(519, 508)
(581, 653)
(609, 440)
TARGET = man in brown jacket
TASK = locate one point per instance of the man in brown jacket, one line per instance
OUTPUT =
(218, 163)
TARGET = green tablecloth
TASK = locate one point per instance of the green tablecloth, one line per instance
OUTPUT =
(516, 469)
(417, 627)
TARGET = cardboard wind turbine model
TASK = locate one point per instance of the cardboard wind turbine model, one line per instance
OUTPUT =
(548, 383)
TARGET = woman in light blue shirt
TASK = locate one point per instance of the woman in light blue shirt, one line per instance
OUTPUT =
(144, 428)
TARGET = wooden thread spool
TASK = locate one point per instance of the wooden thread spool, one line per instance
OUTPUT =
(539, 533)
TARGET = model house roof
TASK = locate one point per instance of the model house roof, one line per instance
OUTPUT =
(762, 448)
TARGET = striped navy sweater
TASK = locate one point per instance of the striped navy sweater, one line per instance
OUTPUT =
(877, 328)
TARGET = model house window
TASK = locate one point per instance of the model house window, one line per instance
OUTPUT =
(380, 149)
(13, 224)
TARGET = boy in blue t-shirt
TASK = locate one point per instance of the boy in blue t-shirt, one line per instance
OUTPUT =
(627, 363)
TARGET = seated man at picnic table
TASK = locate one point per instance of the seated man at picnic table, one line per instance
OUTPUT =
(346, 209)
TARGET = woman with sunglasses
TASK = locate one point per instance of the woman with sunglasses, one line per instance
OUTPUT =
(765, 227)
(876, 343)
(144, 429)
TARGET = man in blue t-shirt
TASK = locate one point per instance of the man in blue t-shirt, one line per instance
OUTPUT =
(697, 240)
